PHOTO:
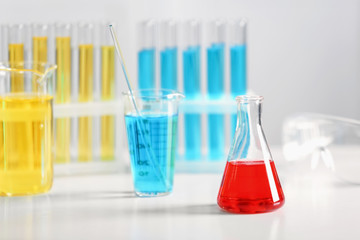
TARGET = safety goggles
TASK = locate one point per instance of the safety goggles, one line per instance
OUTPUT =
(324, 140)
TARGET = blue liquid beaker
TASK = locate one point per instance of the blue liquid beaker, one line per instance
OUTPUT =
(152, 139)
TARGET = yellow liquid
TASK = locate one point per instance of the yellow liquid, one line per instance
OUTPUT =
(107, 93)
(63, 95)
(39, 56)
(86, 58)
(16, 59)
(25, 144)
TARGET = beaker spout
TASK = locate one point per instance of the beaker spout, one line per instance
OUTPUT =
(48, 73)
(178, 96)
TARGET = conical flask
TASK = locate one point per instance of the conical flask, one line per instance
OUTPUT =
(250, 182)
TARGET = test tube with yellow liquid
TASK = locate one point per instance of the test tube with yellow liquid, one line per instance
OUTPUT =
(85, 94)
(63, 91)
(107, 137)
(16, 55)
(40, 34)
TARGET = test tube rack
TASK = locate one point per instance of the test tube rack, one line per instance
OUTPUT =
(97, 105)
(210, 69)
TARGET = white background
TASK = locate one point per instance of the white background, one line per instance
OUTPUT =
(302, 55)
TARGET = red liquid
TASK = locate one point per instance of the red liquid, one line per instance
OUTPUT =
(246, 188)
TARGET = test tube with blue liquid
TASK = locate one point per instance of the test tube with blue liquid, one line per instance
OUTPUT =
(237, 63)
(147, 55)
(215, 87)
(168, 55)
(191, 77)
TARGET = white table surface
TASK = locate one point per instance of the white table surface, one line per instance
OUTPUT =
(104, 207)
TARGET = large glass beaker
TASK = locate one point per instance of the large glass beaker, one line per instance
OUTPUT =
(152, 135)
(26, 128)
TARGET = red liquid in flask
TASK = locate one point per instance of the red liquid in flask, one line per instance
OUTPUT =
(250, 187)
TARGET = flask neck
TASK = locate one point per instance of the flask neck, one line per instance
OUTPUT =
(250, 142)
(249, 115)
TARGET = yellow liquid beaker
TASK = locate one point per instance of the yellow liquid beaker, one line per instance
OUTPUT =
(26, 122)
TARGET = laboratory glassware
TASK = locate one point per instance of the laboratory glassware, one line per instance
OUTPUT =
(26, 120)
(318, 142)
(238, 72)
(17, 54)
(39, 39)
(250, 182)
(107, 136)
(3, 42)
(63, 90)
(168, 55)
(147, 54)
(215, 87)
(191, 77)
(86, 82)
(152, 136)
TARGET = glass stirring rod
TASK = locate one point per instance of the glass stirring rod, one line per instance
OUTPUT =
(149, 151)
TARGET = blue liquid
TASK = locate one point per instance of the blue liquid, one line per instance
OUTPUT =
(168, 59)
(238, 76)
(191, 63)
(215, 75)
(160, 136)
(192, 136)
(215, 70)
(146, 70)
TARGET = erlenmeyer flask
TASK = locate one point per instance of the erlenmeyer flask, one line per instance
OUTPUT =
(250, 183)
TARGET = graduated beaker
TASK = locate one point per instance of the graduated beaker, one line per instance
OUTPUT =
(152, 137)
(250, 183)
(26, 121)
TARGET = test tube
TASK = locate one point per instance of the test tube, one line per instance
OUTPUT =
(86, 81)
(107, 137)
(3, 42)
(63, 90)
(237, 63)
(40, 34)
(192, 91)
(16, 45)
(215, 86)
(16, 48)
(146, 55)
(168, 55)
